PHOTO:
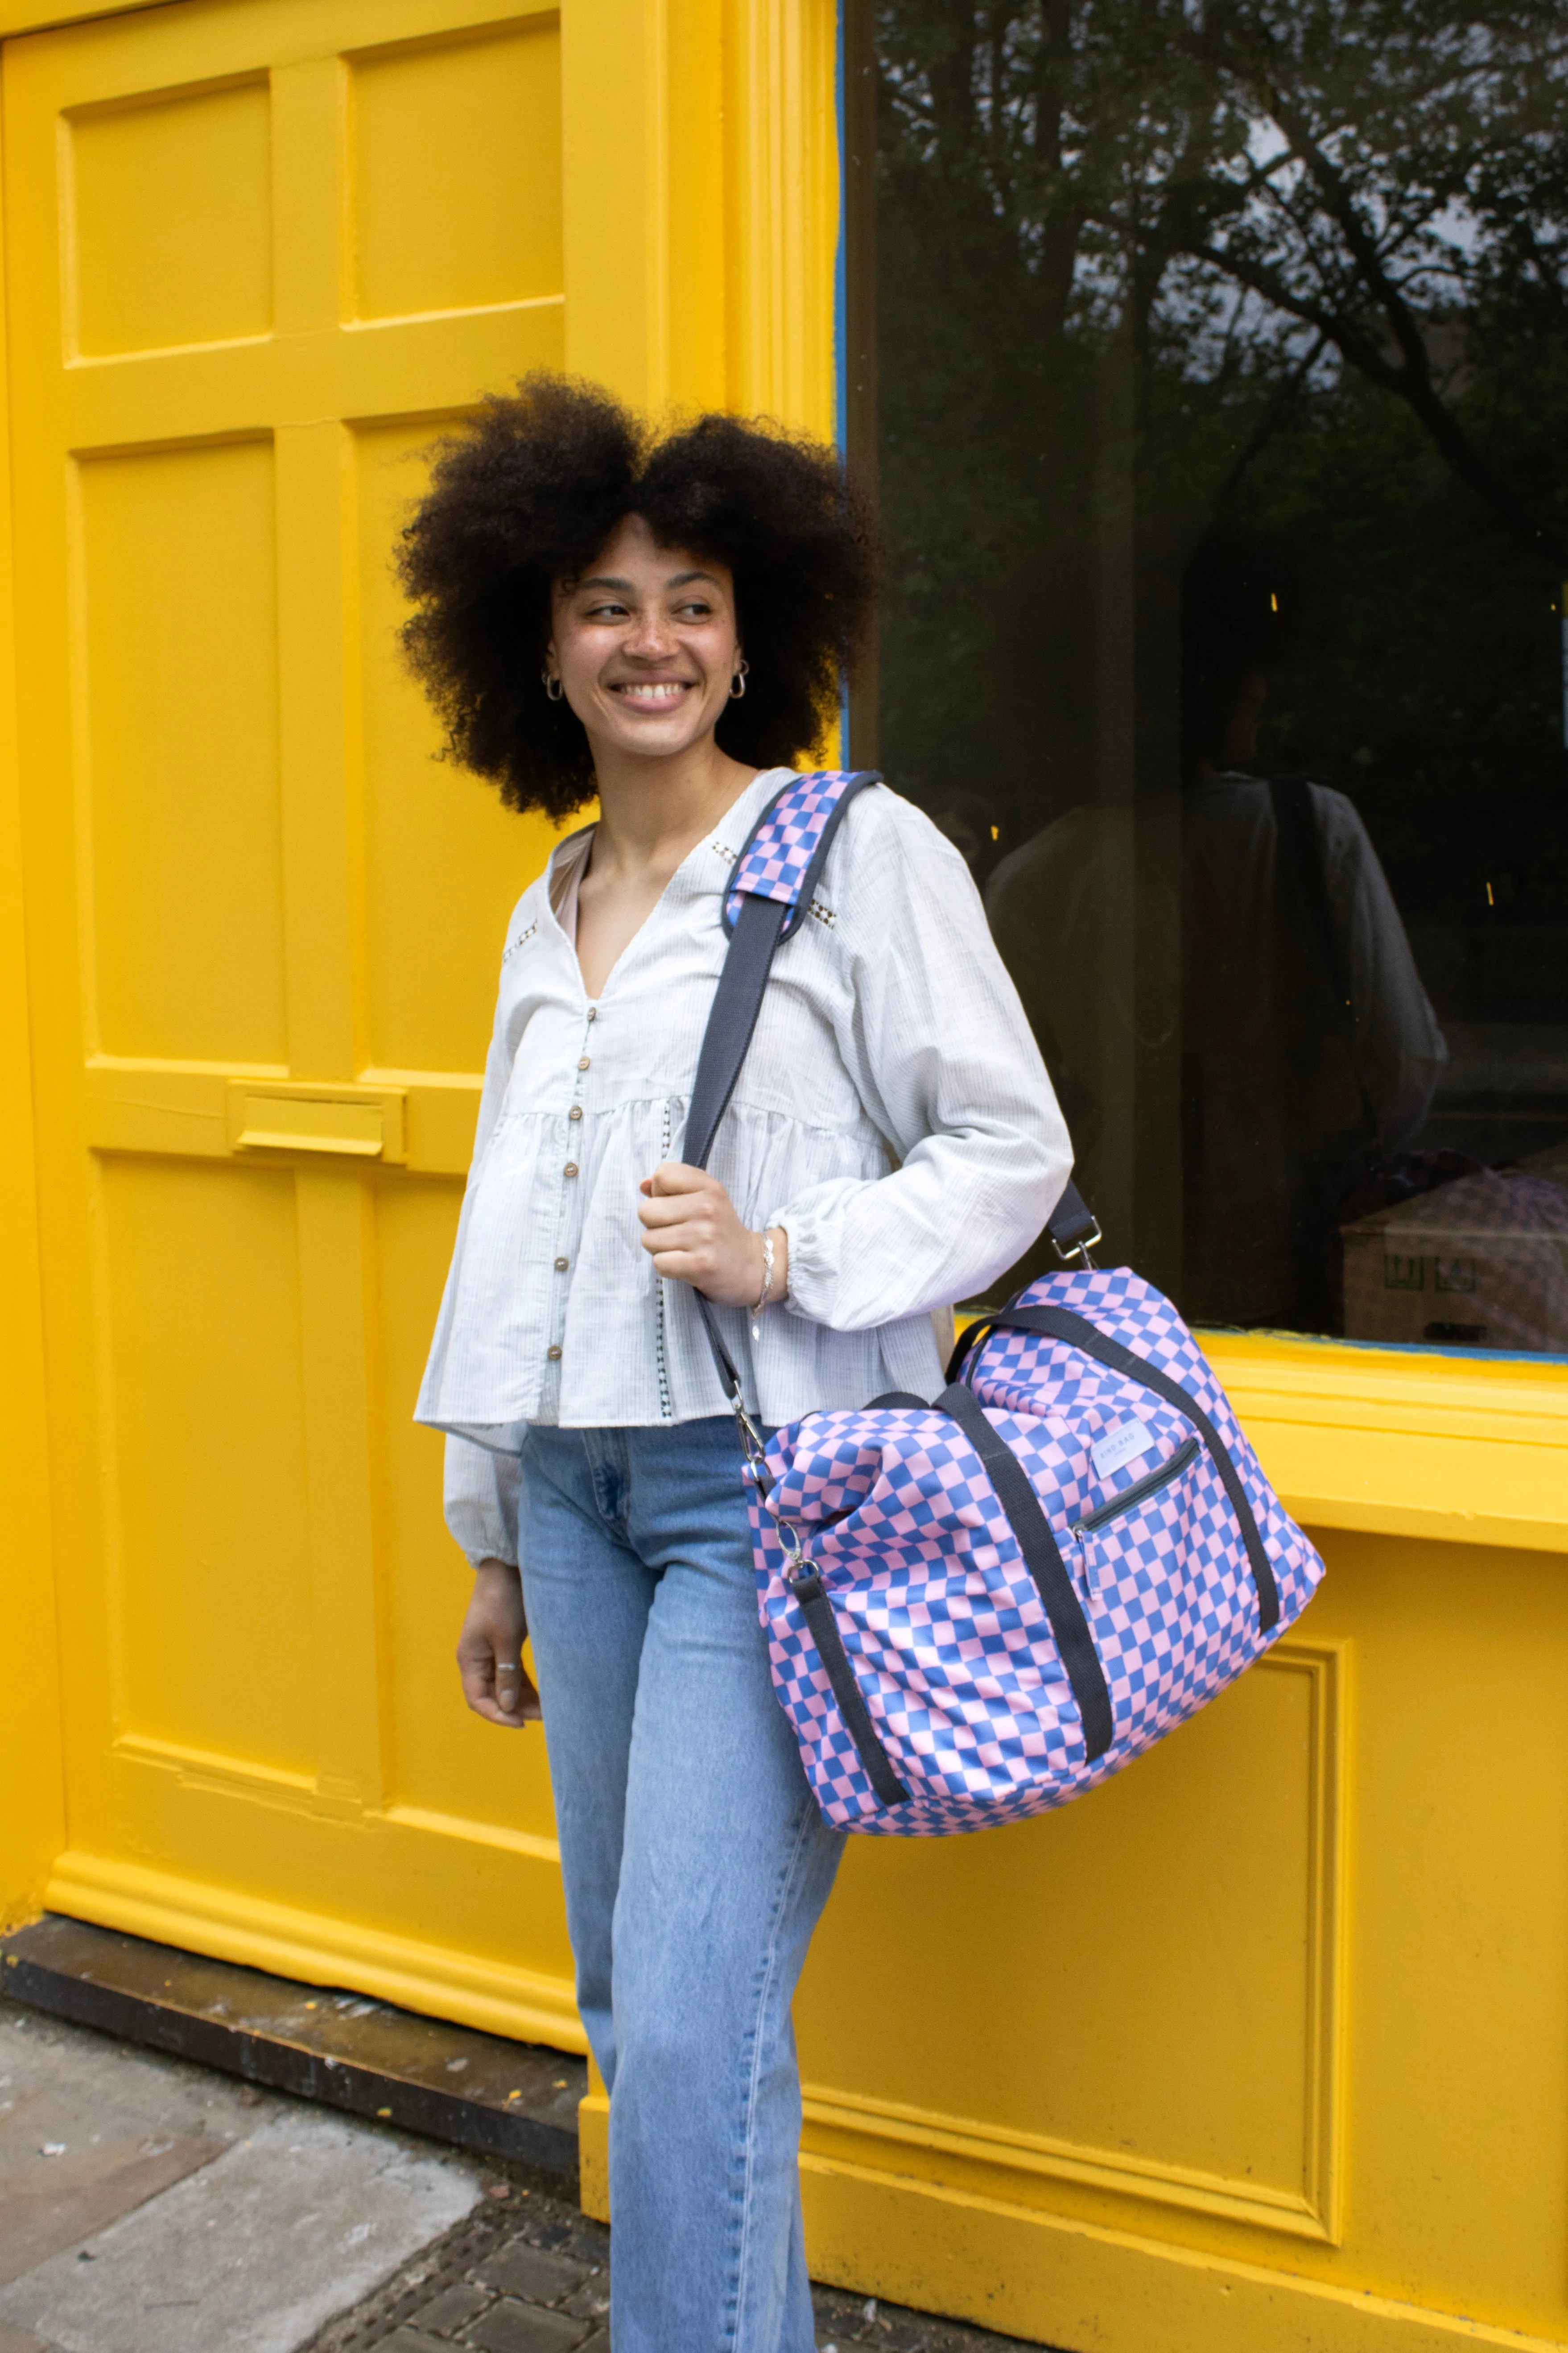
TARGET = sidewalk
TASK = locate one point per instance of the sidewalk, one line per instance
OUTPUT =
(150, 2205)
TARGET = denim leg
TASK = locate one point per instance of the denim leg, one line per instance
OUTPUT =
(724, 1870)
(587, 1596)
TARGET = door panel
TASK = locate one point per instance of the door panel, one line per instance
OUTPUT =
(452, 209)
(170, 221)
(204, 1295)
(178, 677)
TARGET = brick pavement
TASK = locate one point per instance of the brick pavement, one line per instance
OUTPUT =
(529, 2273)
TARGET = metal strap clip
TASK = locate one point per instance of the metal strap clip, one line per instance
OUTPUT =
(1079, 1251)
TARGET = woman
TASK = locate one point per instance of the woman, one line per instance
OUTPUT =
(665, 624)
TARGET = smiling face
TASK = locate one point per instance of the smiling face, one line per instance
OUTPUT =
(645, 644)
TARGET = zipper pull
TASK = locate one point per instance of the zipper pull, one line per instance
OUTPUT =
(1088, 1582)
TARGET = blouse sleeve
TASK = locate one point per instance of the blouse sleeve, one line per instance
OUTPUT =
(481, 1500)
(480, 1486)
(492, 1095)
(947, 1068)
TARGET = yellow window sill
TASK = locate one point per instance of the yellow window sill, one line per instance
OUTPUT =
(1402, 1442)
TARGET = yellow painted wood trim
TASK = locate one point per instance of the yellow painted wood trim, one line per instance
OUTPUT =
(783, 166)
(32, 1814)
(1057, 2281)
(272, 1114)
(317, 1947)
(211, 1769)
(40, 16)
(532, 1845)
(724, 112)
(421, 1119)
(51, 16)
(1402, 1444)
(963, 2153)
(593, 2148)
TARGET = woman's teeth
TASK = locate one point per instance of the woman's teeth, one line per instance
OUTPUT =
(654, 697)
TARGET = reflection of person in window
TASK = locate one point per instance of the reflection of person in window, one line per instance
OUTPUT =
(971, 825)
(1287, 1091)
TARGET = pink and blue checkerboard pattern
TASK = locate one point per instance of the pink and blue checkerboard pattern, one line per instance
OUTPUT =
(942, 1622)
(773, 864)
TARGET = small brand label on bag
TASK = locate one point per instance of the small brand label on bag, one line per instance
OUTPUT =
(1123, 1444)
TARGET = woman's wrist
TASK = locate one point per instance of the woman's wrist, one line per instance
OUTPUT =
(776, 1267)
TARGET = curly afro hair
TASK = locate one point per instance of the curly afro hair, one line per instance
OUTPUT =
(529, 493)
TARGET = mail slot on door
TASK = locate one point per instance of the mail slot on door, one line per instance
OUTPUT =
(363, 1123)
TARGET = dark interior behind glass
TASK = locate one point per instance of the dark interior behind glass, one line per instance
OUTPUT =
(1212, 360)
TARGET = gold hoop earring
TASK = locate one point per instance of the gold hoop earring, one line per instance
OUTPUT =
(737, 684)
(553, 686)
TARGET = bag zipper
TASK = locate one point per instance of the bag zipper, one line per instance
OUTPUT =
(1128, 1501)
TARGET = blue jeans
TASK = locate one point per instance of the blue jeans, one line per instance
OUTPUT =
(696, 1865)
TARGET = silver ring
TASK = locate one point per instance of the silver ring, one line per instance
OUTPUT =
(509, 1670)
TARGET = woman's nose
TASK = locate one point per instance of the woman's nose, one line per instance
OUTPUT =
(650, 636)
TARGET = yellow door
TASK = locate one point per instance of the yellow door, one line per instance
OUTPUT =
(257, 253)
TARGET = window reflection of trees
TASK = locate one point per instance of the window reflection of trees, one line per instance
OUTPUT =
(1145, 264)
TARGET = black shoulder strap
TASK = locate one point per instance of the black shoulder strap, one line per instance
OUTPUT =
(1043, 1559)
(738, 1000)
(1073, 1226)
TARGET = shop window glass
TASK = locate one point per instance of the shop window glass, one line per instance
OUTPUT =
(1213, 360)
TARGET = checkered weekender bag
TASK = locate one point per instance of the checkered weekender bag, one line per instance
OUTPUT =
(978, 1608)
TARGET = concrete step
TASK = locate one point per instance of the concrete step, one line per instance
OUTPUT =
(451, 2082)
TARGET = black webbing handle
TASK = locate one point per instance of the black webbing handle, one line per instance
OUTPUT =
(822, 1627)
(1043, 1559)
(1064, 1323)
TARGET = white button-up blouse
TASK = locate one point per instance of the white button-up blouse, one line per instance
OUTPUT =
(893, 1116)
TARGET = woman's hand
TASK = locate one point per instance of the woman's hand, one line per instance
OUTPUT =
(691, 1232)
(489, 1649)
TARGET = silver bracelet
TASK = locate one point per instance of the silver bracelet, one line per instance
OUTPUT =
(767, 1284)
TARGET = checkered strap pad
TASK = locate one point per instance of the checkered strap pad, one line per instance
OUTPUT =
(790, 842)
